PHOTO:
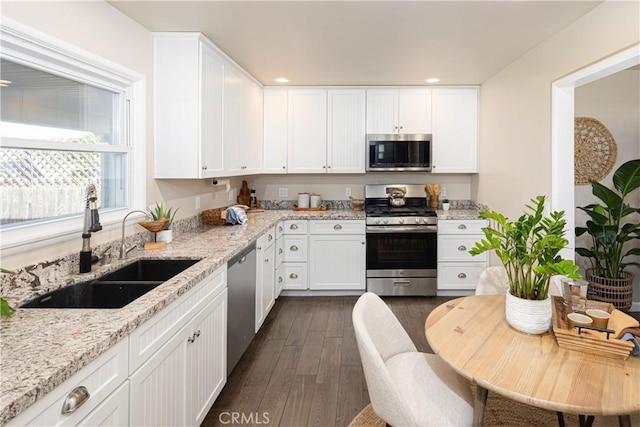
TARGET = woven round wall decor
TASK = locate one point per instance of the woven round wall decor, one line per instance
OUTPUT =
(595, 150)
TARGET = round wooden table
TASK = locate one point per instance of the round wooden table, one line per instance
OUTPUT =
(472, 335)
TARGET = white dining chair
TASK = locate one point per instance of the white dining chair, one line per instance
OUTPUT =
(493, 281)
(406, 387)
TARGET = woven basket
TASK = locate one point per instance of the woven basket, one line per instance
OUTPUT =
(595, 150)
(154, 226)
(214, 217)
(618, 292)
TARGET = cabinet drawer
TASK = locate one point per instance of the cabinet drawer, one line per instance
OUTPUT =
(295, 226)
(100, 377)
(337, 227)
(295, 248)
(279, 229)
(459, 275)
(154, 333)
(279, 251)
(456, 248)
(458, 226)
(294, 275)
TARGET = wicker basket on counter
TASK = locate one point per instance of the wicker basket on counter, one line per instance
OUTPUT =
(214, 216)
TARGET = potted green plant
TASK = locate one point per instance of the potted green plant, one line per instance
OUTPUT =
(611, 229)
(529, 250)
(159, 212)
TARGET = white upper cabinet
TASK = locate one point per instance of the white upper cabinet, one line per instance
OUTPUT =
(189, 101)
(455, 130)
(275, 131)
(346, 131)
(398, 111)
(242, 124)
(307, 131)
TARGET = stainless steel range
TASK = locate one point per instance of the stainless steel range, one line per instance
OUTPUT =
(401, 240)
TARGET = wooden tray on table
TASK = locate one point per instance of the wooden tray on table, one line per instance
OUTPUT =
(591, 341)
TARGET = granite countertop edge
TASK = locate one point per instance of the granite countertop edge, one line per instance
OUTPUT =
(35, 359)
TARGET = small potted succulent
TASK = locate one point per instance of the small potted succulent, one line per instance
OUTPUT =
(157, 213)
(445, 204)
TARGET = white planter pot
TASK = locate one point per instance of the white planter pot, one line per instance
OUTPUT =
(445, 206)
(164, 236)
(528, 316)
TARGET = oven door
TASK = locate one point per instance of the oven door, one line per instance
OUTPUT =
(402, 248)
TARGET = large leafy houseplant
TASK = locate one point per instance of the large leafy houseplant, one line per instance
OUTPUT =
(607, 226)
(528, 248)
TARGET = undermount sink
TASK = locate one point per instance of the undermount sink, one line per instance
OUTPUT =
(116, 289)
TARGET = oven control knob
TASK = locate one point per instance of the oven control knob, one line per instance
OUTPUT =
(425, 220)
(400, 221)
(377, 220)
(386, 221)
(417, 220)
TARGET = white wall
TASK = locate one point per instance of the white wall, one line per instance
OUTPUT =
(615, 102)
(515, 105)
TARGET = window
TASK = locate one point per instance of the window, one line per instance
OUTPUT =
(68, 120)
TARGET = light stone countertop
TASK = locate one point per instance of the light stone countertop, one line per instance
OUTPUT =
(41, 348)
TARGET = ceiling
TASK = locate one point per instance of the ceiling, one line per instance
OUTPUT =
(365, 42)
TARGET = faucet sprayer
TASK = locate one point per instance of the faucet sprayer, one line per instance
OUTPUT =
(91, 224)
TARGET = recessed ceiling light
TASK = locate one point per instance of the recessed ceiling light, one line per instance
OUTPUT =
(432, 80)
(282, 80)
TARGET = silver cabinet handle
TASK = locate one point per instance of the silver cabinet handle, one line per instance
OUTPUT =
(280, 250)
(258, 248)
(462, 227)
(243, 259)
(462, 276)
(75, 399)
(462, 248)
(196, 333)
(280, 229)
(337, 227)
(191, 339)
(293, 248)
(204, 167)
(266, 260)
(363, 243)
(401, 283)
(293, 276)
(279, 279)
(270, 237)
(293, 226)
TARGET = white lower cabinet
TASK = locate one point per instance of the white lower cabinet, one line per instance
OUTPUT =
(97, 390)
(265, 275)
(457, 269)
(279, 246)
(337, 253)
(293, 270)
(178, 383)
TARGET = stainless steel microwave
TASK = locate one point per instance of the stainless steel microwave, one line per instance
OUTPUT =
(399, 152)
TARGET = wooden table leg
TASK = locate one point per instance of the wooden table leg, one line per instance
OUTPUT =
(624, 420)
(479, 406)
(586, 421)
(560, 416)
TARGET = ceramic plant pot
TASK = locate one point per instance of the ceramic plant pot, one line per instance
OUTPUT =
(164, 236)
(445, 206)
(528, 316)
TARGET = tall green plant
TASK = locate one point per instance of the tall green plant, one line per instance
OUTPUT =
(609, 233)
(528, 248)
(158, 212)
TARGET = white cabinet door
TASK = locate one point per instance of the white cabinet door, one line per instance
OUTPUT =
(346, 131)
(233, 121)
(207, 358)
(307, 136)
(253, 117)
(455, 130)
(265, 275)
(275, 131)
(211, 112)
(337, 262)
(158, 387)
(382, 111)
(187, 116)
(399, 110)
(414, 111)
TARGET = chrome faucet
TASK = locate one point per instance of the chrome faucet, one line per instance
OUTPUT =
(123, 248)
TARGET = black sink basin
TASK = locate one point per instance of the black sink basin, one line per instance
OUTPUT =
(150, 270)
(116, 289)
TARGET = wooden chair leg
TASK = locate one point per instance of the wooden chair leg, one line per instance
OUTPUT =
(586, 421)
(560, 419)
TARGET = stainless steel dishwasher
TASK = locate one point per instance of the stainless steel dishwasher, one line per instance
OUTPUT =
(241, 309)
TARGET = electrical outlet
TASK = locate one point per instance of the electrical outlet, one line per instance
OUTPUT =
(283, 192)
(347, 191)
(443, 192)
(232, 195)
(197, 202)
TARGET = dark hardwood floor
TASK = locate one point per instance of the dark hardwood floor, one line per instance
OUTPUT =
(303, 366)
